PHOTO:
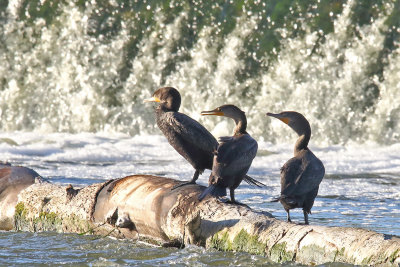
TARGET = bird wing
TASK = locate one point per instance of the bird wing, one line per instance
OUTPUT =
(312, 175)
(236, 152)
(290, 172)
(301, 175)
(192, 131)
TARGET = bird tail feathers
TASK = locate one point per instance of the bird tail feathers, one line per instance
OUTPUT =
(287, 200)
(276, 199)
(214, 190)
(252, 181)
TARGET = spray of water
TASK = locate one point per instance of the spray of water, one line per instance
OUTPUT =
(80, 73)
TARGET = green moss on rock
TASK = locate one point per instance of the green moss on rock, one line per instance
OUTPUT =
(248, 243)
(313, 254)
(394, 256)
(241, 242)
(381, 258)
(278, 253)
(20, 217)
(221, 243)
(20, 209)
(49, 221)
(340, 255)
(51, 217)
(366, 261)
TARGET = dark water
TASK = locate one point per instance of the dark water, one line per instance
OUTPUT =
(71, 249)
(44, 249)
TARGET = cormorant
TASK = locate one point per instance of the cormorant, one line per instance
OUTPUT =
(188, 137)
(233, 156)
(302, 174)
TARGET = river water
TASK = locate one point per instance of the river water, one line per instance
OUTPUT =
(73, 76)
(361, 189)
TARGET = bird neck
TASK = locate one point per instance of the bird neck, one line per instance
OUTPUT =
(302, 143)
(241, 125)
(160, 111)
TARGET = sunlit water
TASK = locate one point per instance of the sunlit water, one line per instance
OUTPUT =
(361, 189)
(86, 66)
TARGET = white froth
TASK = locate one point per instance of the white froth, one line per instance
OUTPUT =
(361, 186)
(64, 78)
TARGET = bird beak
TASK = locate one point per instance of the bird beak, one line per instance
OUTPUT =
(153, 99)
(279, 116)
(213, 112)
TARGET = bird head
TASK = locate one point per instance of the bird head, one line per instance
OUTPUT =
(295, 120)
(233, 112)
(168, 97)
(230, 111)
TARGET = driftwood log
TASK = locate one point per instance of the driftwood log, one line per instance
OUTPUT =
(144, 207)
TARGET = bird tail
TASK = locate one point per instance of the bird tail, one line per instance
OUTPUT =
(214, 190)
(276, 199)
(287, 200)
(252, 181)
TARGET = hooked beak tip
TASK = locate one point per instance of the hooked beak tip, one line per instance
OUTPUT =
(275, 115)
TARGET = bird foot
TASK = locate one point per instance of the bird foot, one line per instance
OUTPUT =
(182, 184)
(223, 199)
(237, 203)
(298, 223)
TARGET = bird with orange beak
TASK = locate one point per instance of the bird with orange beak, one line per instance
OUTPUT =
(187, 136)
(302, 174)
(233, 156)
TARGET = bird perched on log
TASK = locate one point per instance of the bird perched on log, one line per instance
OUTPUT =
(302, 174)
(188, 137)
(233, 156)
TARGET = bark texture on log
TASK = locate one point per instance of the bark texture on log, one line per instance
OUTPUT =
(12, 181)
(143, 206)
(50, 207)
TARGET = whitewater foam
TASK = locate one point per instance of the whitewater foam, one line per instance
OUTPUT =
(73, 72)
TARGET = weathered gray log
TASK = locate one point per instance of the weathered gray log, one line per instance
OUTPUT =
(144, 207)
(12, 181)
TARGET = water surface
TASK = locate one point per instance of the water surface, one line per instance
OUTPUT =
(361, 189)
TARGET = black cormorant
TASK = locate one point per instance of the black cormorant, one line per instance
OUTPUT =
(233, 156)
(188, 137)
(302, 174)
